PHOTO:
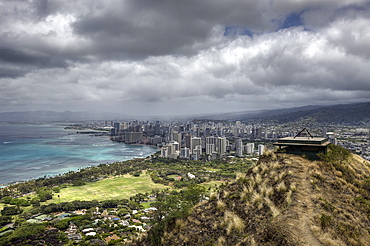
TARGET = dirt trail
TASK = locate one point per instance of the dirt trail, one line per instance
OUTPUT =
(304, 204)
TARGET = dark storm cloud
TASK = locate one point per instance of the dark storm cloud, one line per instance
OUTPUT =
(18, 57)
(15, 63)
(145, 28)
(12, 73)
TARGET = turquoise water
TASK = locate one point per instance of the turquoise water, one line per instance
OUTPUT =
(31, 151)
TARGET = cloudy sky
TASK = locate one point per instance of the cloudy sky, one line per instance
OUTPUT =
(146, 57)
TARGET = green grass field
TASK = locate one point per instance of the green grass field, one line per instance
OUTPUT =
(111, 188)
(212, 184)
(120, 187)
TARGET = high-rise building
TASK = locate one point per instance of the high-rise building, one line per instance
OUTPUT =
(239, 147)
(185, 153)
(176, 145)
(221, 145)
(197, 153)
(188, 141)
(249, 148)
(207, 132)
(195, 142)
(164, 152)
(210, 148)
(114, 131)
(156, 140)
(177, 137)
(133, 137)
(261, 149)
(211, 140)
(157, 129)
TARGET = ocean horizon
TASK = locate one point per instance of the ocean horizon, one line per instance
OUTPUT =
(29, 151)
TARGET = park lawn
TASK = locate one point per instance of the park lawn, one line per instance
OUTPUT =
(212, 184)
(146, 204)
(212, 169)
(120, 187)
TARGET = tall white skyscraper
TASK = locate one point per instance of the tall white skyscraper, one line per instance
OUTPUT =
(221, 145)
(164, 152)
(261, 149)
(239, 147)
(210, 148)
(250, 148)
(185, 153)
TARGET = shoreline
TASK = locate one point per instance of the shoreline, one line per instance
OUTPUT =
(61, 174)
(14, 171)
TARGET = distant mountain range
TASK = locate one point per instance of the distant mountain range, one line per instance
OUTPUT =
(356, 113)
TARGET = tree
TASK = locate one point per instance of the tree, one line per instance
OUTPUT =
(45, 194)
(5, 220)
(78, 182)
(11, 210)
(6, 199)
(336, 155)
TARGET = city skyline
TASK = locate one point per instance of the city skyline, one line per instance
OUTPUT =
(180, 58)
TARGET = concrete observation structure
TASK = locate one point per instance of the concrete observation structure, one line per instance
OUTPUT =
(303, 145)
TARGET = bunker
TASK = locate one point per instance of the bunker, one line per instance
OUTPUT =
(303, 144)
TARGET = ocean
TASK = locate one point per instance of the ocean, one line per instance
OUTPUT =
(32, 151)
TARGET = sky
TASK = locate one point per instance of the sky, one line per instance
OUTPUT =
(175, 57)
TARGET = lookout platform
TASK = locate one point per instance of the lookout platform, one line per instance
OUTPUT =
(303, 145)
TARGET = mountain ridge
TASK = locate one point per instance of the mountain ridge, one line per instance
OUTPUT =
(284, 200)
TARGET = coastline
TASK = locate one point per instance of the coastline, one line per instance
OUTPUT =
(61, 174)
(34, 151)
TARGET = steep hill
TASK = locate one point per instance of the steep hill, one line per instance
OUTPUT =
(284, 200)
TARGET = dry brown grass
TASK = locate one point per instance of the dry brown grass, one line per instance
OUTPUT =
(272, 174)
(274, 210)
(240, 175)
(288, 198)
(281, 187)
(275, 165)
(255, 169)
(269, 195)
(226, 193)
(245, 193)
(221, 241)
(327, 239)
(258, 179)
(194, 220)
(293, 187)
(256, 198)
(233, 222)
(221, 205)
(180, 223)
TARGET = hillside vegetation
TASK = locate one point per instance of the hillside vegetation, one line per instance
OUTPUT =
(283, 200)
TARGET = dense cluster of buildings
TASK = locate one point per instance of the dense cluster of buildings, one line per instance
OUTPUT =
(194, 140)
(209, 139)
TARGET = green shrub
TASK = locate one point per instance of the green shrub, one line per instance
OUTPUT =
(325, 221)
